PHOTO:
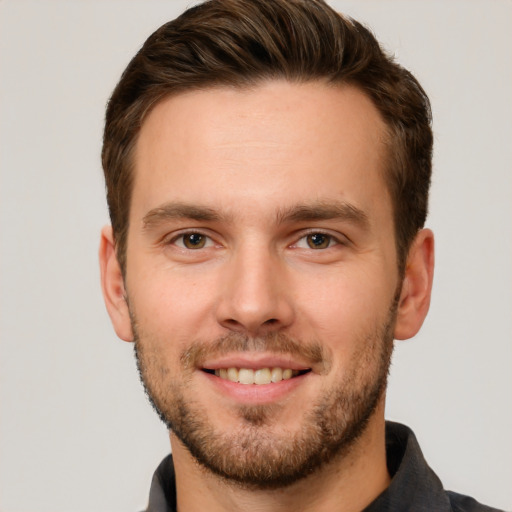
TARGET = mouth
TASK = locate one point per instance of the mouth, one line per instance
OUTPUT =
(256, 376)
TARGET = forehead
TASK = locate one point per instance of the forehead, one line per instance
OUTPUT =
(276, 141)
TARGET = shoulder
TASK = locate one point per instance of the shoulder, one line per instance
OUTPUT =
(414, 486)
(461, 503)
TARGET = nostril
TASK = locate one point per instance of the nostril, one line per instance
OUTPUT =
(232, 322)
(252, 327)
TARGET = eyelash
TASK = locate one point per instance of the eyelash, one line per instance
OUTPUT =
(333, 240)
(183, 234)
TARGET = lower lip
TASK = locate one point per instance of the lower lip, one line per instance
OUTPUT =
(255, 393)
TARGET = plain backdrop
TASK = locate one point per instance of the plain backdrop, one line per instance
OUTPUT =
(76, 433)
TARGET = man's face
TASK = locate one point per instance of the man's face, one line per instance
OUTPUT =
(261, 244)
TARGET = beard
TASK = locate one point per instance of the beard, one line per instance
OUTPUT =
(256, 455)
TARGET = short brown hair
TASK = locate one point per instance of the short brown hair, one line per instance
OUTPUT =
(243, 42)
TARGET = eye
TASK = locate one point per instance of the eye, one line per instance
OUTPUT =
(192, 240)
(317, 240)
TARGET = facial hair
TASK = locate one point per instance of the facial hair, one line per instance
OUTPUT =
(255, 456)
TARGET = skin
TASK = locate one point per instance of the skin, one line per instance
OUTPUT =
(254, 156)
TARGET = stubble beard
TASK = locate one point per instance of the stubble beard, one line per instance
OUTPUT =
(254, 456)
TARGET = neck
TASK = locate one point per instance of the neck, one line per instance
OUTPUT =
(346, 484)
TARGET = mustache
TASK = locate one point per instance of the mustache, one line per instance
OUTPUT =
(273, 343)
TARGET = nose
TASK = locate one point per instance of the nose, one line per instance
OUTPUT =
(254, 296)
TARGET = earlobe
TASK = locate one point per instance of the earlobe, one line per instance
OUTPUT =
(112, 284)
(414, 299)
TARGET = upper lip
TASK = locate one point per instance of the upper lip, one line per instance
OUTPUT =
(255, 361)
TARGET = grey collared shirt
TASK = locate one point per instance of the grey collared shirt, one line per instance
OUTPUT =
(414, 486)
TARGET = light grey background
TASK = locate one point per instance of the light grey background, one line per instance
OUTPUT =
(76, 433)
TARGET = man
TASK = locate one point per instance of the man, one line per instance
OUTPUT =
(267, 171)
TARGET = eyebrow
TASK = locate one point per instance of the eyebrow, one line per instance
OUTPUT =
(332, 210)
(173, 211)
(317, 211)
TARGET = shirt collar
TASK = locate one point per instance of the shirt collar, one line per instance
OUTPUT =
(414, 486)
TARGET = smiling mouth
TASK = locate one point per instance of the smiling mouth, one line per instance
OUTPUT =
(258, 377)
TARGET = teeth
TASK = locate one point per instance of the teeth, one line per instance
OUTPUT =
(245, 376)
(287, 374)
(232, 374)
(261, 376)
(277, 374)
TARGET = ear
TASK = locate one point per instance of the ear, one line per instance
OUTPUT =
(112, 284)
(416, 286)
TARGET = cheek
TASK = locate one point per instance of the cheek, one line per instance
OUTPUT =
(344, 307)
(171, 304)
